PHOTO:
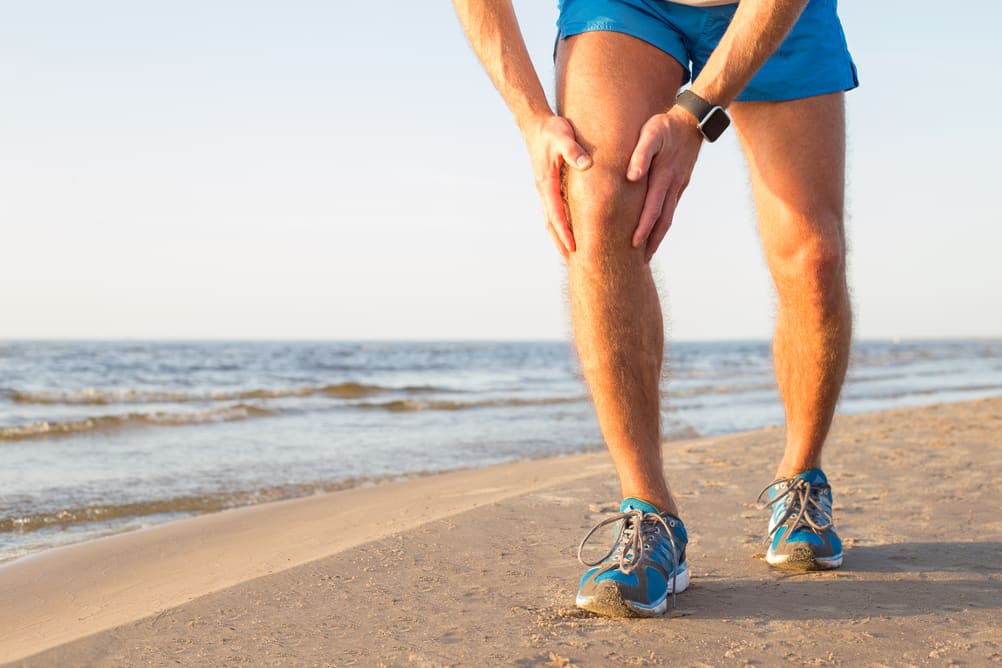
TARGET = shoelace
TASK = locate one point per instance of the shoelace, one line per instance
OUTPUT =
(629, 545)
(803, 505)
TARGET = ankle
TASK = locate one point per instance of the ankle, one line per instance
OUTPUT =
(789, 470)
(663, 502)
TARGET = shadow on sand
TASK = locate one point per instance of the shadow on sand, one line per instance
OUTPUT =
(901, 579)
(895, 580)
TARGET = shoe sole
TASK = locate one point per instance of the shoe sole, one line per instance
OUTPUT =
(608, 602)
(802, 558)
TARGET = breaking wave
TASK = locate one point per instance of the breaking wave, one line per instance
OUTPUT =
(409, 405)
(113, 422)
(104, 397)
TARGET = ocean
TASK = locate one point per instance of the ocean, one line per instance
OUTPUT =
(103, 437)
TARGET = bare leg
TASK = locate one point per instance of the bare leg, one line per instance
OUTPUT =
(608, 85)
(796, 157)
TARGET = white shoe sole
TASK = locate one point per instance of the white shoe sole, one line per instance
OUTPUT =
(803, 559)
(610, 603)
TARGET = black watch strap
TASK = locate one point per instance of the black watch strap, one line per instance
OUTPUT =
(694, 104)
(711, 119)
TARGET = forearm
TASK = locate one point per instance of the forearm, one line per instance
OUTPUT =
(756, 31)
(494, 33)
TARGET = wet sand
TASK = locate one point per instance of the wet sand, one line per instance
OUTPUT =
(478, 567)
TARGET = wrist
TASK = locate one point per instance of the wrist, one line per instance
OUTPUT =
(679, 115)
(711, 120)
(532, 123)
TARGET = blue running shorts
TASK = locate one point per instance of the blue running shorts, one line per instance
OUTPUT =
(812, 60)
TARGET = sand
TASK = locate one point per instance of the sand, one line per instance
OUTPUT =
(478, 568)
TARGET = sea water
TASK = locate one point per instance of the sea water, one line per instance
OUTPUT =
(103, 437)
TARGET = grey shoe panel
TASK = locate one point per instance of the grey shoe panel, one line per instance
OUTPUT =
(801, 527)
(642, 567)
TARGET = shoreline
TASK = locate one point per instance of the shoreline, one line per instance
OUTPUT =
(220, 503)
(194, 506)
(131, 575)
(105, 601)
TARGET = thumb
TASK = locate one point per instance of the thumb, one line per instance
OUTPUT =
(647, 147)
(574, 155)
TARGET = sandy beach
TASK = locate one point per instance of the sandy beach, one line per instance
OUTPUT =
(477, 567)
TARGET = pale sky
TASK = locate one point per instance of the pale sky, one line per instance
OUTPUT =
(321, 170)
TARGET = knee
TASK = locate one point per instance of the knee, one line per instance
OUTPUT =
(604, 210)
(811, 265)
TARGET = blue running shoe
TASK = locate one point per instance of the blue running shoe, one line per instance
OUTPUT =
(645, 564)
(801, 528)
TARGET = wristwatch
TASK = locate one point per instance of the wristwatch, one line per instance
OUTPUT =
(713, 120)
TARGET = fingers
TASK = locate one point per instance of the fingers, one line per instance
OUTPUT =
(574, 155)
(560, 148)
(649, 146)
(556, 212)
(665, 154)
(664, 222)
(660, 229)
(654, 203)
(552, 147)
(556, 240)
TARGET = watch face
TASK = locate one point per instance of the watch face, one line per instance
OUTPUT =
(714, 123)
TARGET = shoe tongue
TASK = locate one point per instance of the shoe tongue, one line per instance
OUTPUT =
(814, 476)
(632, 503)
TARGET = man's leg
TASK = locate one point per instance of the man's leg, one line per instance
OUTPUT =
(796, 156)
(608, 85)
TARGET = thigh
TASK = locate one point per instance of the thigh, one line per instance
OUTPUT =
(796, 158)
(608, 85)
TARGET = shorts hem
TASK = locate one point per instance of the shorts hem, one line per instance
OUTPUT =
(572, 29)
(831, 86)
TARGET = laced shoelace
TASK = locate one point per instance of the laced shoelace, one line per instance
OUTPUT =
(803, 505)
(629, 546)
